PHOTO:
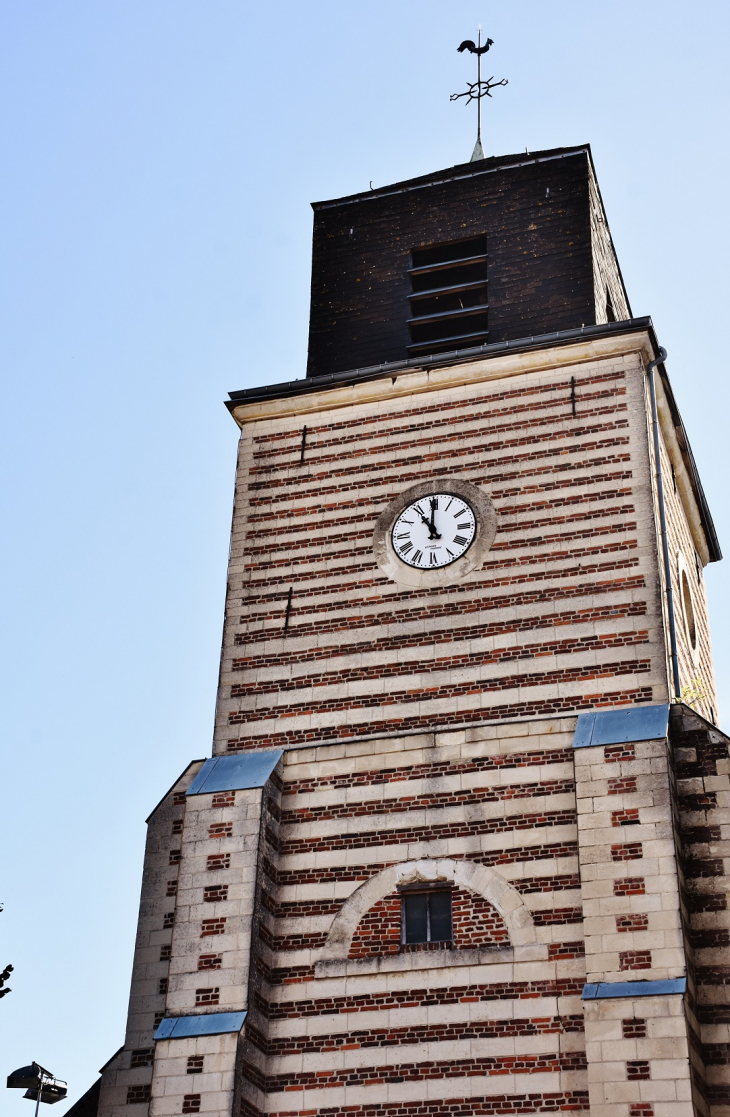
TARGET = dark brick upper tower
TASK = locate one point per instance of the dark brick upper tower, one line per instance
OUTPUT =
(484, 252)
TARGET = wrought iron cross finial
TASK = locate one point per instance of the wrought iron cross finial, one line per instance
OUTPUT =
(477, 89)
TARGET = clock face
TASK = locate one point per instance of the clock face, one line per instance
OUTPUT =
(434, 531)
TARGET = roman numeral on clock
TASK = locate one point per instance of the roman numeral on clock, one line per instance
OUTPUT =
(426, 540)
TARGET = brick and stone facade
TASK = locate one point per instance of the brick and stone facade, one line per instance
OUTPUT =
(511, 739)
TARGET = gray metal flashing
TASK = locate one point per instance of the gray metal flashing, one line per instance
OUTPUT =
(713, 543)
(501, 163)
(238, 772)
(391, 369)
(604, 990)
(457, 356)
(209, 1024)
(614, 727)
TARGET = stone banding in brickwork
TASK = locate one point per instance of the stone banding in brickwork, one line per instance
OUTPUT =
(549, 1062)
(556, 568)
(501, 558)
(365, 425)
(577, 645)
(505, 452)
(542, 427)
(492, 763)
(450, 798)
(298, 909)
(553, 1102)
(320, 492)
(484, 631)
(609, 451)
(510, 461)
(329, 873)
(582, 509)
(507, 521)
(476, 469)
(431, 832)
(359, 425)
(607, 670)
(425, 997)
(414, 1033)
(311, 587)
(540, 888)
(468, 422)
(552, 707)
(611, 527)
(476, 595)
(505, 498)
(348, 543)
(302, 510)
(510, 510)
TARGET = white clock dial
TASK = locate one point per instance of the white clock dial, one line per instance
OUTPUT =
(434, 531)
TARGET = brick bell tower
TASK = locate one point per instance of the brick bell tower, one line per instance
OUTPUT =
(458, 849)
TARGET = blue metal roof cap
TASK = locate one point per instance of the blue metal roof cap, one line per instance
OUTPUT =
(608, 989)
(614, 727)
(210, 1024)
(235, 773)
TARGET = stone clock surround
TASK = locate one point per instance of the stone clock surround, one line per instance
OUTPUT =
(485, 516)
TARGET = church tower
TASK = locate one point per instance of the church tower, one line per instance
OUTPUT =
(458, 848)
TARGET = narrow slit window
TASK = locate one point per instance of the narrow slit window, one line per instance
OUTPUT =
(689, 613)
(427, 917)
(448, 299)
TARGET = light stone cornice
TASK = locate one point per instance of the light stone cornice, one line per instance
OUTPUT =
(416, 381)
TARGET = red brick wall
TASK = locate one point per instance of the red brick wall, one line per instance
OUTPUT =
(379, 930)
(565, 562)
(475, 923)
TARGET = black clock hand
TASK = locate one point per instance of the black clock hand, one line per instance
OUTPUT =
(432, 533)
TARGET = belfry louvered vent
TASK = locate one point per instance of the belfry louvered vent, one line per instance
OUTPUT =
(448, 297)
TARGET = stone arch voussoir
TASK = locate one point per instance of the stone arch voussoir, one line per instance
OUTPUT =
(480, 879)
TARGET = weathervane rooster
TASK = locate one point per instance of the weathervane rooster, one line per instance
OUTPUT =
(477, 89)
(471, 46)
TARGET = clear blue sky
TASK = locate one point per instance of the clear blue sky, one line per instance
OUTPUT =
(159, 157)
